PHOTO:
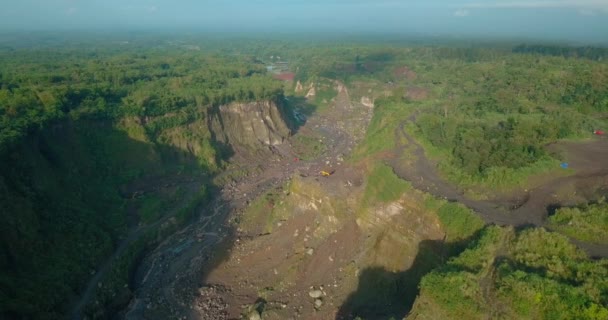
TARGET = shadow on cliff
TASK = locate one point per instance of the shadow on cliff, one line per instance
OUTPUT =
(302, 110)
(383, 294)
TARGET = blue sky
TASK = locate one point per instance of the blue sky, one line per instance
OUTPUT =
(574, 20)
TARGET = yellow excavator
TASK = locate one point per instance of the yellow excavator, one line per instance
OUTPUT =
(326, 173)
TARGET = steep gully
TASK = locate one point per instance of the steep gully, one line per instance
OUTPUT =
(213, 216)
(170, 274)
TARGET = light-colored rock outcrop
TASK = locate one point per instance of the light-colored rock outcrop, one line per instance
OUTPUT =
(251, 124)
(312, 91)
(299, 87)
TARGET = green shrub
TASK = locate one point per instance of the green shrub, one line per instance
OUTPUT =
(588, 223)
(459, 222)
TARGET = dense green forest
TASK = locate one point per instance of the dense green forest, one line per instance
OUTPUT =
(492, 119)
(593, 53)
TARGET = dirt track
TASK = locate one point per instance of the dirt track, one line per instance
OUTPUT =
(530, 208)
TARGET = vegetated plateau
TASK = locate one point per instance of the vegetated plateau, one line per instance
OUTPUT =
(196, 178)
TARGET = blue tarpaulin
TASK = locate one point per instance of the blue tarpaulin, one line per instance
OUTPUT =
(564, 165)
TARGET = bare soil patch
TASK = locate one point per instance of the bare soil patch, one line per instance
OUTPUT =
(405, 72)
(417, 93)
(588, 157)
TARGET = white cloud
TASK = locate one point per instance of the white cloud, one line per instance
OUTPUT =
(596, 4)
(587, 12)
(152, 9)
(71, 11)
(461, 13)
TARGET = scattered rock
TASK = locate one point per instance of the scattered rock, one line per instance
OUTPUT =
(318, 303)
(254, 315)
(368, 102)
(210, 303)
(310, 251)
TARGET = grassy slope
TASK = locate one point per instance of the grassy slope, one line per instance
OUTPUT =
(383, 186)
(589, 223)
(380, 135)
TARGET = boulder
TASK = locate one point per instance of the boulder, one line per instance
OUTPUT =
(315, 294)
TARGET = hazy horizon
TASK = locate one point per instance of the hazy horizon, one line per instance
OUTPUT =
(562, 20)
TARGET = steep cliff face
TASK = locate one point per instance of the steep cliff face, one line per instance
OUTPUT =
(265, 123)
